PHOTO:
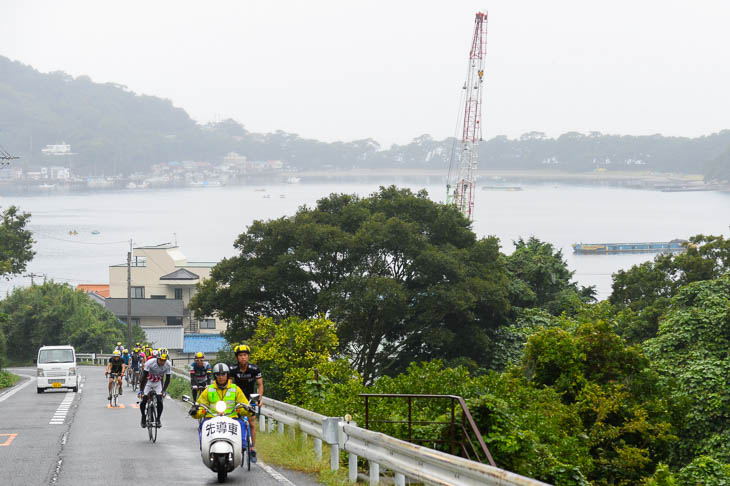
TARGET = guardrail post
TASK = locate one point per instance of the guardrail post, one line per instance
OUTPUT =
(280, 428)
(334, 457)
(352, 468)
(271, 425)
(305, 437)
(262, 423)
(399, 479)
(374, 473)
(318, 448)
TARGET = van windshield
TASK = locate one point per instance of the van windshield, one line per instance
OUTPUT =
(56, 356)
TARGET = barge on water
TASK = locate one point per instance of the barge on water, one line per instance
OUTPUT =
(676, 245)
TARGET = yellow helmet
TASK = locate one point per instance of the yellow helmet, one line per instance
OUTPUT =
(199, 355)
(117, 353)
(242, 348)
(162, 356)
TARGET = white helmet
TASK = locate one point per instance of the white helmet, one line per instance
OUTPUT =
(220, 368)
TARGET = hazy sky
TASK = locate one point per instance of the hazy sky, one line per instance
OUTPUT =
(392, 70)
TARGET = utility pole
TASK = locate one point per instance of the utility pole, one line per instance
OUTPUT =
(129, 296)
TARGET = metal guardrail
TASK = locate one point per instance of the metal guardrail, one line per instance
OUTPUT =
(406, 460)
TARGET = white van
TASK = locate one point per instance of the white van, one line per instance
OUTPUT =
(56, 368)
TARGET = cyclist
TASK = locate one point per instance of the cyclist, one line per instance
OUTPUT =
(135, 359)
(245, 375)
(199, 375)
(117, 367)
(125, 358)
(119, 347)
(221, 389)
(154, 371)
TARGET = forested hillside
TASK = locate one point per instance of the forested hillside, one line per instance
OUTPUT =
(114, 131)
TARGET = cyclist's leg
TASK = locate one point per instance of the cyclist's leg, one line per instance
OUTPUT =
(252, 424)
(119, 380)
(159, 407)
(142, 407)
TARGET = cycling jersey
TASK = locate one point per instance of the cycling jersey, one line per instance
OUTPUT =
(125, 358)
(134, 361)
(155, 372)
(116, 365)
(245, 380)
(200, 374)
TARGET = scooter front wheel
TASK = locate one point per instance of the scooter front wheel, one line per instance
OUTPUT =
(222, 463)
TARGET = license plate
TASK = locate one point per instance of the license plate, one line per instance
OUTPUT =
(56, 384)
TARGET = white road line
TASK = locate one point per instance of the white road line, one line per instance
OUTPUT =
(274, 474)
(15, 390)
(59, 416)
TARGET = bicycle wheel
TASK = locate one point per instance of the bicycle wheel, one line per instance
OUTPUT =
(134, 381)
(152, 417)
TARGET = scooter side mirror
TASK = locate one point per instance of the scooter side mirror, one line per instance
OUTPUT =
(186, 398)
(254, 396)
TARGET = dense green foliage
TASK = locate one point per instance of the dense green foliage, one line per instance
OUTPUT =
(16, 242)
(130, 132)
(7, 379)
(52, 314)
(403, 277)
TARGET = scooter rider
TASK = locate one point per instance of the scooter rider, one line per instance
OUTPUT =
(199, 375)
(154, 370)
(220, 389)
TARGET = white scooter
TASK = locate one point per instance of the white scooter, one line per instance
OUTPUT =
(220, 445)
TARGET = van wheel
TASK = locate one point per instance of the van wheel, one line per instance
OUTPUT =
(40, 390)
(75, 389)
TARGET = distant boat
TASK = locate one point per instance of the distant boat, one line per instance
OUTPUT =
(96, 232)
(676, 245)
(73, 233)
(293, 180)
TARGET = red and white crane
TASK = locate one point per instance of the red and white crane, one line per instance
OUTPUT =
(460, 185)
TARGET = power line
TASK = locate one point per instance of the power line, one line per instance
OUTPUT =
(79, 242)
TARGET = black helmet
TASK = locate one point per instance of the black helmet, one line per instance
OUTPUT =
(220, 369)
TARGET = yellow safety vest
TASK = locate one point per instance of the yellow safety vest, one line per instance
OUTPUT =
(229, 397)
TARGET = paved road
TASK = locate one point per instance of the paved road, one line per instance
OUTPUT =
(65, 438)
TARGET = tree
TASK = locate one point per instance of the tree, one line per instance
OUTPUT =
(403, 278)
(288, 352)
(642, 293)
(15, 242)
(613, 390)
(57, 314)
(545, 273)
(690, 352)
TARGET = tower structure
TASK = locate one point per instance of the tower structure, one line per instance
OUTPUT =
(460, 185)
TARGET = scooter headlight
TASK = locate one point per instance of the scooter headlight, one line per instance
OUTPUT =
(220, 406)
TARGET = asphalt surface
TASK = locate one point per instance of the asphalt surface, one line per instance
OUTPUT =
(65, 438)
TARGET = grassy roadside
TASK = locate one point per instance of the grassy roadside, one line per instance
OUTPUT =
(298, 455)
(7, 379)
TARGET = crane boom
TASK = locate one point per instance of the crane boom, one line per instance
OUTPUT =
(460, 185)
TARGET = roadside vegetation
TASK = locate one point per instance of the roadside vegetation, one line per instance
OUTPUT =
(7, 379)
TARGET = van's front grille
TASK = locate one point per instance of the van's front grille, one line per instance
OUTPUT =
(55, 373)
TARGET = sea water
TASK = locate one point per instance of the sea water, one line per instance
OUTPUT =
(205, 222)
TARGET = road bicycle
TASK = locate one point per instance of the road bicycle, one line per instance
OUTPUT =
(135, 379)
(116, 389)
(151, 413)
